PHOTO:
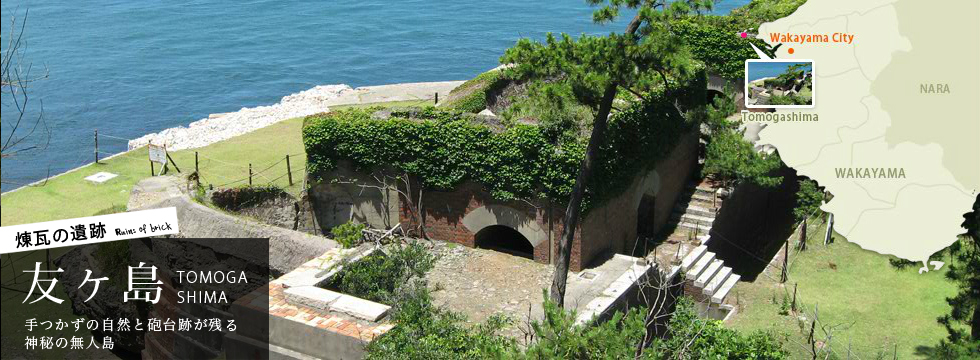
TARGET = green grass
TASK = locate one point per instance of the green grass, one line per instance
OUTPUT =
(870, 303)
(223, 164)
(69, 196)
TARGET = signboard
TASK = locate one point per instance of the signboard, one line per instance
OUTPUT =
(158, 154)
(88, 230)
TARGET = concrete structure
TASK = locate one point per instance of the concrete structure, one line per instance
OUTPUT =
(709, 282)
(288, 249)
(303, 320)
(463, 215)
(295, 317)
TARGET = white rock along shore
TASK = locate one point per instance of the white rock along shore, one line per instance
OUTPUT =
(218, 127)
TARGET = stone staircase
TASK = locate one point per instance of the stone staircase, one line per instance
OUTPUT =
(698, 214)
(707, 277)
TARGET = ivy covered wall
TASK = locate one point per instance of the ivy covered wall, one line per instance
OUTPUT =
(442, 149)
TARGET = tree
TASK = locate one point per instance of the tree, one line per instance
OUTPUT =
(808, 199)
(733, 160)
(596, 68)
(730, 158)
(25, 132)
(963, 321)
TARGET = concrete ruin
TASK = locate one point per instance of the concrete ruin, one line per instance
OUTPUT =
(470, 216)
(307, 321)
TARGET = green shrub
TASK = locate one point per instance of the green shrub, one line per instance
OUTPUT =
(442, 149)
(809, 197)
(789, 100)
(553, 107)
(732, 160)
(425, 331)
(691, 337)
(348, 234)
(239, 198)
(376, 277)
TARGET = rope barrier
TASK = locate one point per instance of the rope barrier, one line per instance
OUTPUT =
(114, 137)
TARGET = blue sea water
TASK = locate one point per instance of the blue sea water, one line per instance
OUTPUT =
(128, 68)
(759, 70)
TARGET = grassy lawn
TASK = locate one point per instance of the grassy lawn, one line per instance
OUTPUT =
(223, 164)
(861, 298)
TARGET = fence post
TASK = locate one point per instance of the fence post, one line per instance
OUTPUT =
(803, 236)
(152, 172)
(829, 236)
(437, 99)
(289, 171)
(96, 146)
(785, 273)
(196, 169)
(813, 329)
(250, 174)
(794, 296)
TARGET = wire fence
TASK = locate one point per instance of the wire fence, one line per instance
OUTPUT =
(205, 169)
(823, 339)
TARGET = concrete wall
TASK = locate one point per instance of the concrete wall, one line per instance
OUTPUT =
(354, 196)
(611, 228)
(288, 249)
(753, 223)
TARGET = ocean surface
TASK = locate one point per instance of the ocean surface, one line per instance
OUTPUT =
(759, 70)
(128, 68)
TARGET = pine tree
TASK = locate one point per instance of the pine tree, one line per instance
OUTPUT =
(597, 68)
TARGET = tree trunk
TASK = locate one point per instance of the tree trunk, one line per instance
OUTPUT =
(976, 322)
(570, 222)
(574, 208)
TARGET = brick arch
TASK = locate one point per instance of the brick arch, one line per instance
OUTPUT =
(489, 215)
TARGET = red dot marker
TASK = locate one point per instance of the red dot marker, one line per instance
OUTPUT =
(744, 35)
(791, 51)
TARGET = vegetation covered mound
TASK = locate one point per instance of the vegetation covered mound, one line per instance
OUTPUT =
(442, 149)
(473, 95)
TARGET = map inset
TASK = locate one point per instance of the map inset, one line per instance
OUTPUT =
(896, 143)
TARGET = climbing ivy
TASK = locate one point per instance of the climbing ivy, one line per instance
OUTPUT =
(718, 44)
(715, 40)
(443, 148)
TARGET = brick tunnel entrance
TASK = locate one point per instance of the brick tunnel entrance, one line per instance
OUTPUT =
(504, 239)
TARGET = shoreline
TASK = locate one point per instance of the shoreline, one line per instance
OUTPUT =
(223, 126)
(315, 99)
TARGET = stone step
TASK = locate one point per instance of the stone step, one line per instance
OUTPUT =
(696, 219)
(692, 257)
(709, 273)
(695, 209)
(717, 281)
(719, 296)
(702, 228)
(701, 190)
(708, 198)
(701, 265)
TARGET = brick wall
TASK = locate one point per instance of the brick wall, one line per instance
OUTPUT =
(610, 228)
